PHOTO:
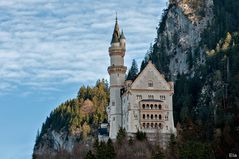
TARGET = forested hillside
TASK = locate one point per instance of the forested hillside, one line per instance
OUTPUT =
(74, 123)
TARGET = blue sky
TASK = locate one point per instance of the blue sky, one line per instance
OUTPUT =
(49, 48)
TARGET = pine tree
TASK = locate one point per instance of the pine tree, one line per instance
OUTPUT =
(121, 135)
(157, 154)
(101, 151)
(133, 71)
(141, 135)
(110, 150)
(90, 155)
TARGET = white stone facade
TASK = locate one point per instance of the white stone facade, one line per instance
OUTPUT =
(144, 104)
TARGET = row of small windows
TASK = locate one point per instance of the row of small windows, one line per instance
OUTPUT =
(161, 97)
(148, 116)
(152, 125)
(151, 106)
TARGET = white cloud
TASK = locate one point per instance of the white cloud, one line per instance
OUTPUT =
(46, 44)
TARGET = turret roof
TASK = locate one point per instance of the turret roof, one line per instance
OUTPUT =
(116, 33)
(122, 35)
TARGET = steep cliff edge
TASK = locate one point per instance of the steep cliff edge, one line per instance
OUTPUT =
(179, 36)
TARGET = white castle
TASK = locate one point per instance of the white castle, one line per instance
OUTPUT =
(144, 104)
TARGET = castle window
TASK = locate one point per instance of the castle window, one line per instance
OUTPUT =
(166, 117)
(150, 84)
(160, 106)
(143, 106)
(155, 106)
(151, 96)
(156, 125)
(152, 125)
(138, 97)
(143, 116)
(147, 116)
(147, 106)
(155, 116)
(160, 117)
(151, 106)
(152, 116)
(113, 103)
(162, 97)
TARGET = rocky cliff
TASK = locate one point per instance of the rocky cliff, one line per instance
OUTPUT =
(180, 34)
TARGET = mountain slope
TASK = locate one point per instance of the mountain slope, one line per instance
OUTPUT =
(73, 122)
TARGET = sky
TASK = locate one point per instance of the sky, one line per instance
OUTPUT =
(49, 48)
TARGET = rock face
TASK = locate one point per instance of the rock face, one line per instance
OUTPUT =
(180, 34)
(53, 141)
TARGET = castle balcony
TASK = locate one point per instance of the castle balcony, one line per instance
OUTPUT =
(116, 51)
(117, 69)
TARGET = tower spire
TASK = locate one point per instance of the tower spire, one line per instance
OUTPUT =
(122, 35)
(116, 32)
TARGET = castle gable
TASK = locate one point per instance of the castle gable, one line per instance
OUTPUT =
(150, 78)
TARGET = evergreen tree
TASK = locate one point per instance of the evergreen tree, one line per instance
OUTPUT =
(140, 135)
(133, 71)
(121, 135)
(101, 152)
(110, 150)
(157, 153)
(90, 155)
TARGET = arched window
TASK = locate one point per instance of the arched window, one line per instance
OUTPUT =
(143, 116)
(160, 117)
(147, 125)
(147, 106)
(152, 116)
(155, 106)
(160, 106)
(156, 116)
(150, 84)
(143, 106)
(160, 125)
(151, 106)
(166, 117)
(143, 125)
(156, 125)
(152, 125)
(147, 116)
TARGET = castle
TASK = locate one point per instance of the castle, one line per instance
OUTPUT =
(144, 104)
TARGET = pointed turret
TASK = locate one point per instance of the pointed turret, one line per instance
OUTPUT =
(116, 33)
(122, 40)
(122, 35)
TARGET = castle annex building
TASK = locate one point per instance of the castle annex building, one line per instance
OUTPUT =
(144, 104)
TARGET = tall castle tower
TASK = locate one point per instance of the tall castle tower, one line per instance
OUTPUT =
(116, 71)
